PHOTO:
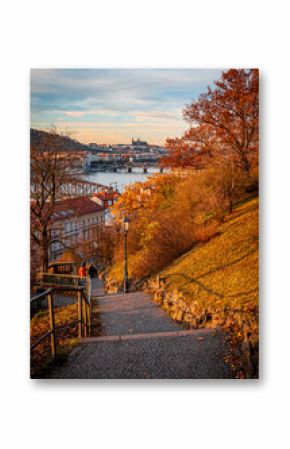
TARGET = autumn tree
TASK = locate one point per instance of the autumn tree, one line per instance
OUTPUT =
(230, 181)
(141, 203)
(50, 166)
(215, 161)
(169, 214)
(99, 244)
(223, 121)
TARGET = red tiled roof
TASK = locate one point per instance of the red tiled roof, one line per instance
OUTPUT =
(72, 207)
(105, 196)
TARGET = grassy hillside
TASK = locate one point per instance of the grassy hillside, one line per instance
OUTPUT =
(51, 141)
(227, 265)
(216, 285)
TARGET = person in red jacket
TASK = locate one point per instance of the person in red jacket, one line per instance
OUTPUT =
(83, 270)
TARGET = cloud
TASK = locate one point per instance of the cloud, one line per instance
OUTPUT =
(120, 98)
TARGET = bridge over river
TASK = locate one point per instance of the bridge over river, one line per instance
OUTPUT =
(123, 168)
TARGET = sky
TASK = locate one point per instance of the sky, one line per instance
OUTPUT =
(115, 105)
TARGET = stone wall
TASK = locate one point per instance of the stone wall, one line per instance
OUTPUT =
(241, 326)
(182, 308)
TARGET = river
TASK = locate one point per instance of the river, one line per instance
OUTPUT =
(121, 179)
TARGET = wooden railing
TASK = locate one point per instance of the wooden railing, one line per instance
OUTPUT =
(66, 281)
(83, 316)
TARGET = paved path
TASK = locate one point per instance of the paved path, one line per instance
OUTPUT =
(137, 340)
(98, 288)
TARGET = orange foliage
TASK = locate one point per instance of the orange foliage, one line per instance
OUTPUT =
(204, 233)
(223, 121)
(218, 158)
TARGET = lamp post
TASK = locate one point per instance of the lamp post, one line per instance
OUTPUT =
(126, 229)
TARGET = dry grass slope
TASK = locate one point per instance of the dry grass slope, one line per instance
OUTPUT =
(217, 284)
(227, 264)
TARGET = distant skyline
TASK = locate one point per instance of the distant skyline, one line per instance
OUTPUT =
(115, 105)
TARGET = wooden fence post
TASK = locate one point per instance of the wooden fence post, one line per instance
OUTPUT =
(158, 281)
(52, 326)
(80, 313)
(89, 318)
(85, 316)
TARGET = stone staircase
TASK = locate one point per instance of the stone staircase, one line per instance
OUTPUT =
(132, 338)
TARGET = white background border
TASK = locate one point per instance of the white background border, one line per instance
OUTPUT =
(128, 414)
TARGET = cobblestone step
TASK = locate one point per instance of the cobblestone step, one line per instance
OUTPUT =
(136, 339)
(195, 332)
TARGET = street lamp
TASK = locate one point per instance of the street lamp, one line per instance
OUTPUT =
(126, 229)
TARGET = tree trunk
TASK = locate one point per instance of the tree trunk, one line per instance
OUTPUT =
(230, 207)
(244, 160)
(44, 252)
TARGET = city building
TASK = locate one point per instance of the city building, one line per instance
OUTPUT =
(106, 198)
(139, 143)
(74, 220)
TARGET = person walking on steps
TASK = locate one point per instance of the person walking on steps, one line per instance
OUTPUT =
(82, 272)
(91, 275)
(92, 271)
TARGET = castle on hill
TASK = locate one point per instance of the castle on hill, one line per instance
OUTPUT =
(139, 143)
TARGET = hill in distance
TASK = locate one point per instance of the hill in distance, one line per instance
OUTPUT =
(46, 141)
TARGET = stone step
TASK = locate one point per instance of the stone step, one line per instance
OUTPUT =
(119, 296)
(95, 298)
(120, 338)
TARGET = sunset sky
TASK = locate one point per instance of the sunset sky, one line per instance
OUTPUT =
(115, 105)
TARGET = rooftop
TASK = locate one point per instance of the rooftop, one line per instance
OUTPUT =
(72, 207)
(105, 196)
